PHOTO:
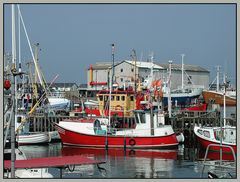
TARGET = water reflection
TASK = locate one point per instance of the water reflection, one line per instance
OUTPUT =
(180, 163)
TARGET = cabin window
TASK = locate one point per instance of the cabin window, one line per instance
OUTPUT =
(132, 98)
(100, 97)
(105, 98)
(121, 70)
(112, 97)
(123, 98)
(142, 117)
(136, 117)
(117, 98)
(206, 134)
(199, 131)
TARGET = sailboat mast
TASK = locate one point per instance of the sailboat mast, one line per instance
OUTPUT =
(13, 94)
(182, 71)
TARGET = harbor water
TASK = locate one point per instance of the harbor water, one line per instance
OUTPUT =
(183, 162)
(178, 163)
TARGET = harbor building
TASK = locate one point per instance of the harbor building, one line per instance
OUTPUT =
(193, 75)
(127, 71)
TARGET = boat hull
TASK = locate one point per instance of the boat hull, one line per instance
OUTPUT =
(99, 141)
(180, 100)
(210, 138)
(36, 138)
(204, 143)
(218, 98)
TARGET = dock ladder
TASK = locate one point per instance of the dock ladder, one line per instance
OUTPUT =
(225, 168)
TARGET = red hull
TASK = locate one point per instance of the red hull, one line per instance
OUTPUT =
(216, 156)
(218, 98)
(201, 107)
(99, 141)
(204, 143)
(161, 154)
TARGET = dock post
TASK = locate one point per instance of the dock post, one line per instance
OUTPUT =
(45, 123)
(125, 143)
(34, 124)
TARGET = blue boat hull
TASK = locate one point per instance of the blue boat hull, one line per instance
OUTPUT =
(185, 100)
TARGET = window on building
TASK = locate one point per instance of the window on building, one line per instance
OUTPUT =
(121, 70)
(121, 79)
(132, 70)
(123, 98)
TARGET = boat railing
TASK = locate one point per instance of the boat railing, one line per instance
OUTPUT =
(220, 165)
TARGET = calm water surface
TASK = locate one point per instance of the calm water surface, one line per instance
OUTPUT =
(179, 163)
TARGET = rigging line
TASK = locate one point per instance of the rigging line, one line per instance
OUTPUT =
(29, 44)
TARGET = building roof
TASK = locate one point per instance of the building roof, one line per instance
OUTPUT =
(187, 67)
(103, 65)
(142, 64)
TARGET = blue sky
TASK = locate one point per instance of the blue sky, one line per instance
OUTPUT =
(73, 36)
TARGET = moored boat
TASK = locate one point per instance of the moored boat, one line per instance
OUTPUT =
(217, 97)
(97, 133)
(33, 138)
(212, 135)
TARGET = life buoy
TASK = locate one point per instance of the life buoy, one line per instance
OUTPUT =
(118, 108)
(132, 142)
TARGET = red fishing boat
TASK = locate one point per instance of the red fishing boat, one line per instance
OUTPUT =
(147, 133)
(212, 135)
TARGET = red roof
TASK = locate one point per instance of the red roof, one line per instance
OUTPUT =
(60, 161)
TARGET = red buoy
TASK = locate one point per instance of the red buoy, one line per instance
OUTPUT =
(7, 84)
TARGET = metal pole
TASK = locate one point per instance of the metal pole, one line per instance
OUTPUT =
(13, 139)
(13, 94)
(169, 91)
(182, 72)
(113, 69)
(218, 69)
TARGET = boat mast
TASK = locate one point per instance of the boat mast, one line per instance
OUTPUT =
(169, 90)
(13, 94)
(151, 106)
(29, 44)
(113, 69)
(182, 71)
(135, 69)
(224, 100)
(218, 69)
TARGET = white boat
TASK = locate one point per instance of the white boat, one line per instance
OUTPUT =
(224, 135)
(33, 138)
(212, 135)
